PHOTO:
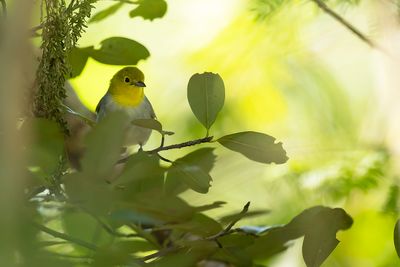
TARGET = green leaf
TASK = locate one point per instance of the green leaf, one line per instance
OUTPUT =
(203, 158)
(318, 225)
(46, 147)
(81, 188)
(141, 173)
(206, 96)
(396, 237)
(233, 255)
(84, 227)
(139, 166)
(255, 146)
(149, 9)
(163, 208)
(194, 252)
(192, 175)
(317, 249)
(151, 124)
(228, 218)
(104, 145)
(215, 205)
(120, 51)
(200, 224)
(236, 240)
(106, 12)
(77, 58)
(119, 253)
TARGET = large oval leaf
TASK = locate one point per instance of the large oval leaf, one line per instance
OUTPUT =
(396, 236)
(192, 175)
(206, 96)
(77, 58)
(149, 9)
(120, 51)
(255, 146)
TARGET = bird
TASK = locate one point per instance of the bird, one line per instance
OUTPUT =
(126, 93)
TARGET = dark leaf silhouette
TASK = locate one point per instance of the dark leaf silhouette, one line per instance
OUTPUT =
(120, 51)
(106, 13)
(255, 146)
(396, 236)
(149, 9)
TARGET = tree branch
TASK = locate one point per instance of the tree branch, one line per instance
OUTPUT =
(176, 146)
(64, 237)
(344, 22)
(182, 145)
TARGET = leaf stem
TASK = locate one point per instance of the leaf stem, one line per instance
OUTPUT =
(65, 237)
(344, 22)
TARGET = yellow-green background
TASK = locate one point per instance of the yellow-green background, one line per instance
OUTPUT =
(298, 76)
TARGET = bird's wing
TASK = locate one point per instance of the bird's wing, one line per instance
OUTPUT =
(101, 105)
(150, 108)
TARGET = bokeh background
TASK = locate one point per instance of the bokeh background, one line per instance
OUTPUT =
(298, 75)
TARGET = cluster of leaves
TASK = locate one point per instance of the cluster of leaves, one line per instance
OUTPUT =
(363, 175)
(135, 217)
(61, 59)
(127, 212)
(147, 9)
(118, 50)
(113, 51)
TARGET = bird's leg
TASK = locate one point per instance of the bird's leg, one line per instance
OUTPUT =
(140, 148)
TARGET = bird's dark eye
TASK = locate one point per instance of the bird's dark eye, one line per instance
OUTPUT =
(127, 80)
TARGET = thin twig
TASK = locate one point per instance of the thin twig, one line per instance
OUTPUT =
(163, 158)
(228, 229)
(64, 237)
(176, 146)
(344, 22)
(184, 144)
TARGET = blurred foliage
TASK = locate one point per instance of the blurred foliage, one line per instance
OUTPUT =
(147, 9)
(110, 216)
(266, 8)
(130, 211)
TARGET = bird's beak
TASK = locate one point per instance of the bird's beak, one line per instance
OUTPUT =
(140, 84)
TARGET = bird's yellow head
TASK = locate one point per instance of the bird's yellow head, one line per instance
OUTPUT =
(126, 87)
